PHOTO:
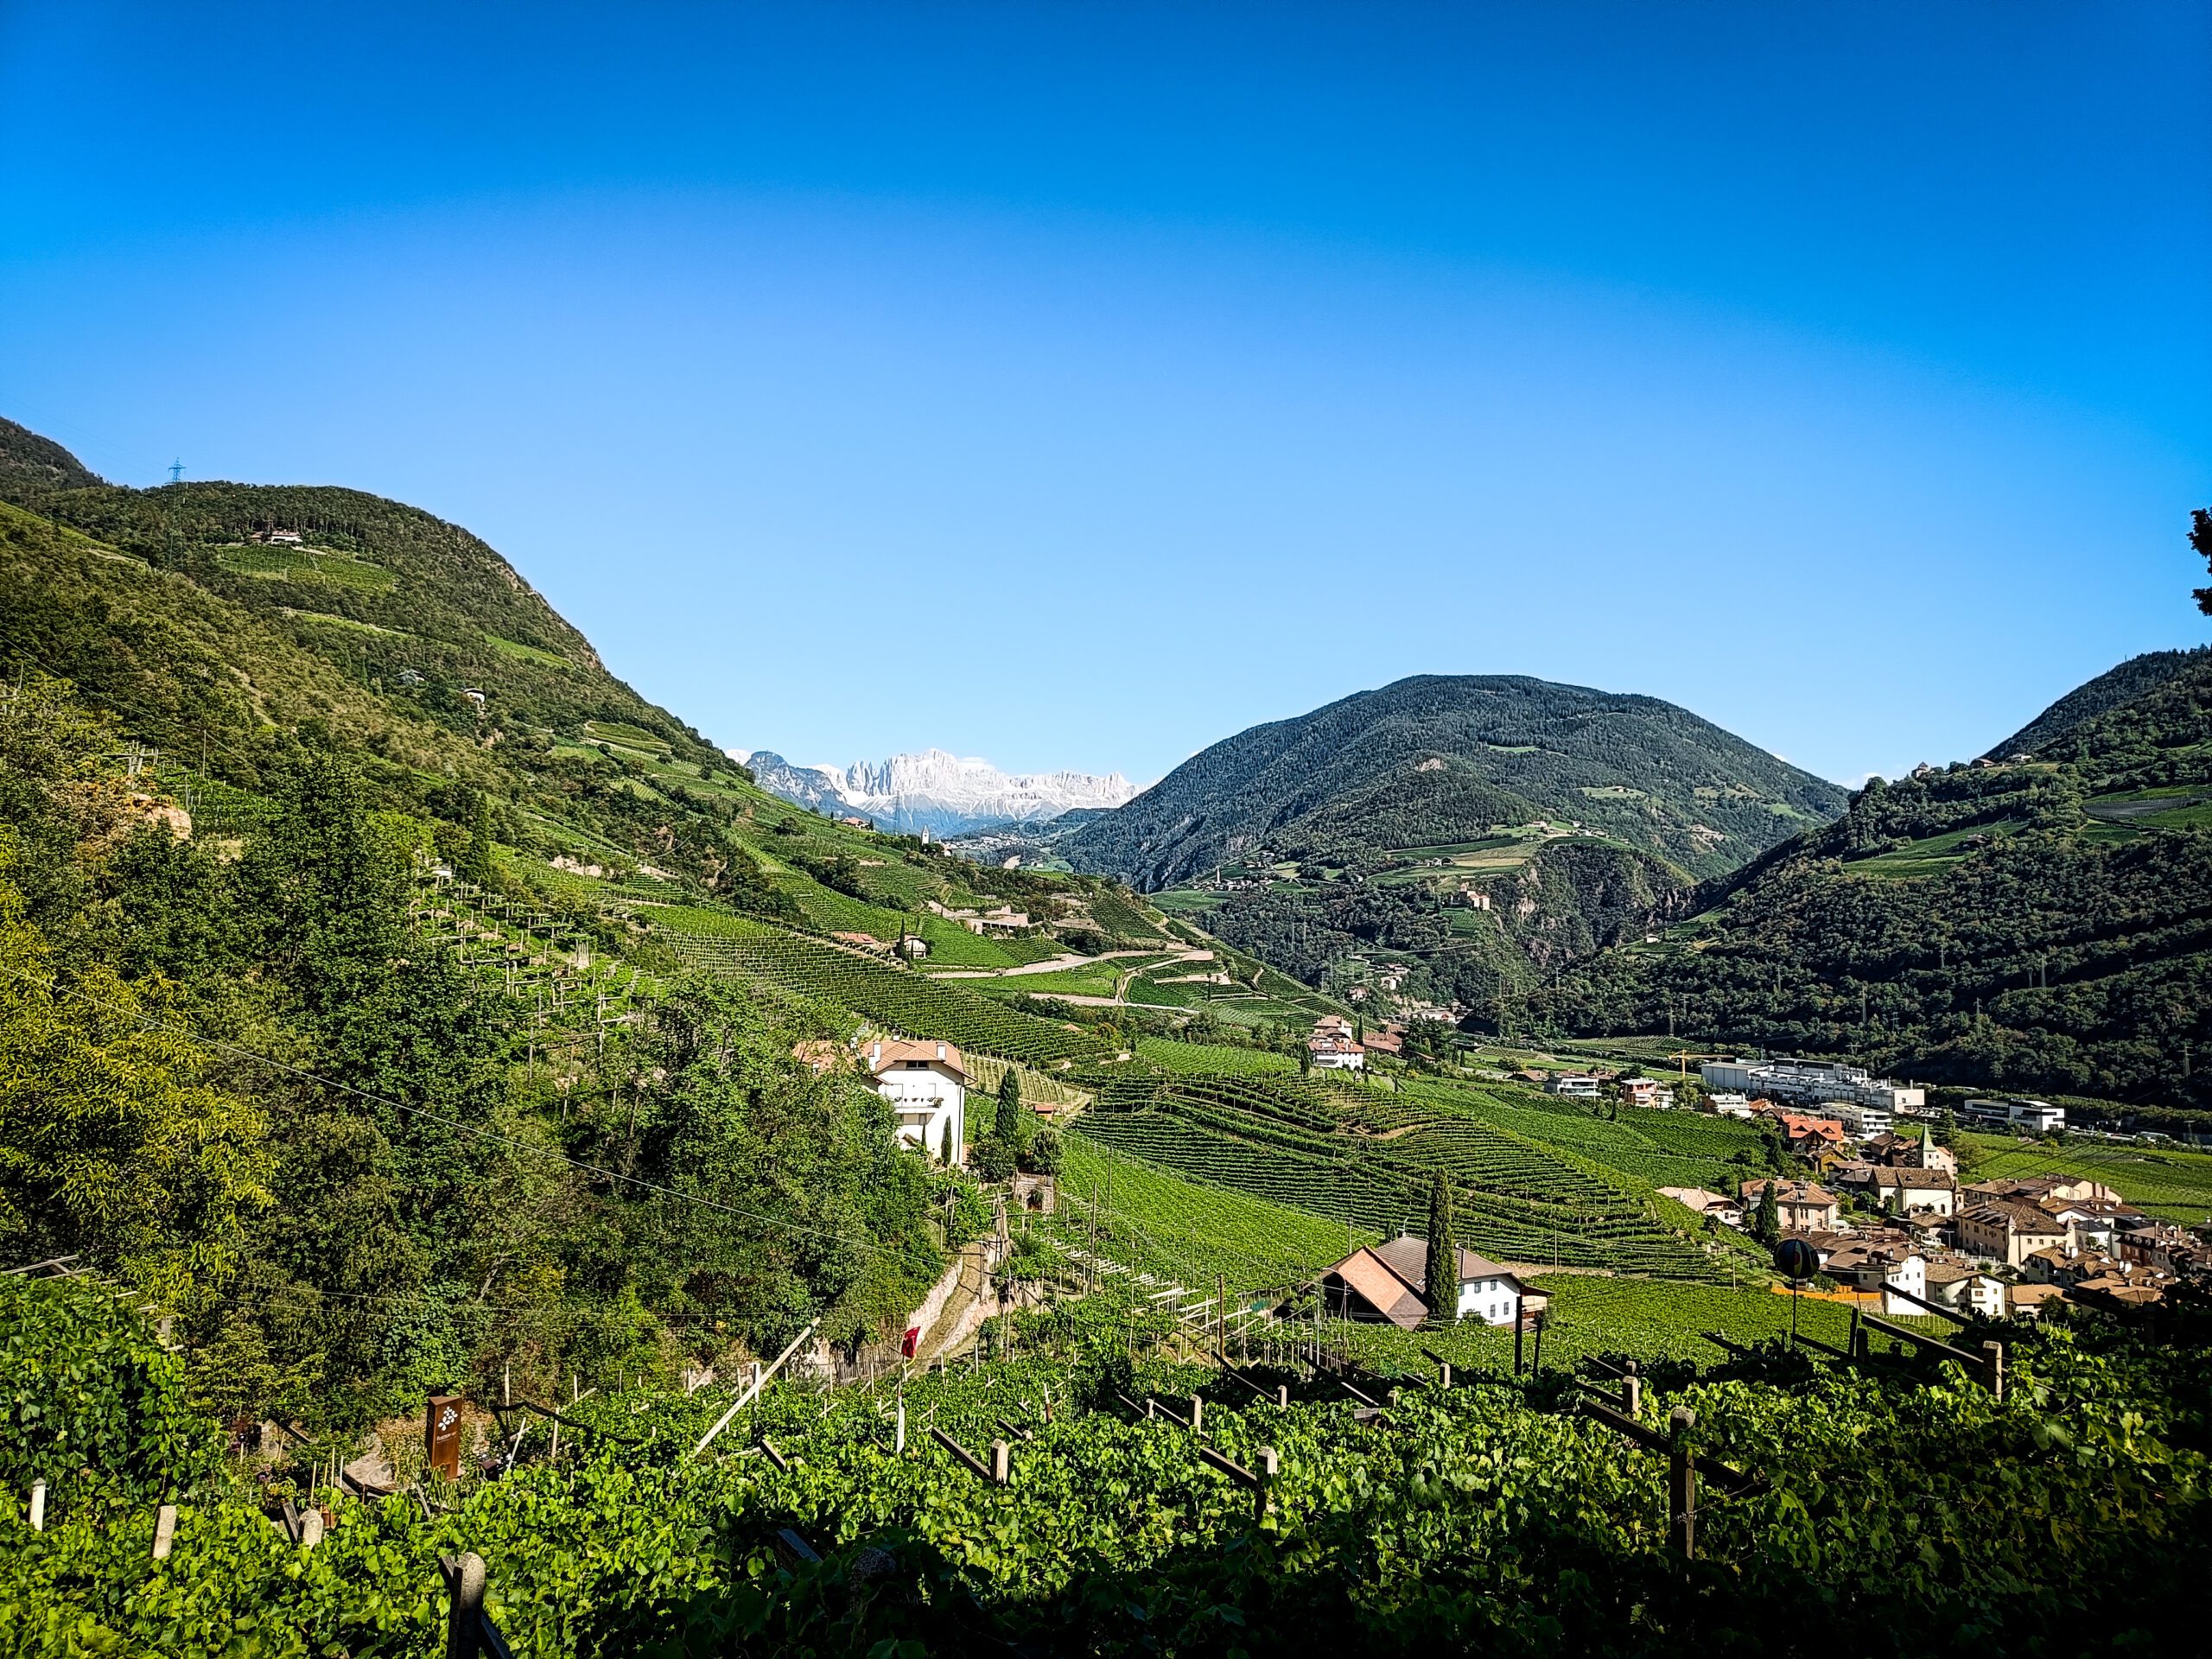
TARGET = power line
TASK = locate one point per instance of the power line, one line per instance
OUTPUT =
(53, 988)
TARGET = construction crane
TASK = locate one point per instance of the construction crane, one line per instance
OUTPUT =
(1682, 1057)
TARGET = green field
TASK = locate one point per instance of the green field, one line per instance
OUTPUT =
(1933, 855)
(304, 564)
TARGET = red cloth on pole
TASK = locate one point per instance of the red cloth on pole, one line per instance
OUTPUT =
(913, 1340)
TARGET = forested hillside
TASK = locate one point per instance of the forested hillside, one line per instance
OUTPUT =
(2043, 925)
(1455, 755)
(2115, 686)
(366, 990)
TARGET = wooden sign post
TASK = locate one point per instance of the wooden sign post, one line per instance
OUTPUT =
(442, 1435)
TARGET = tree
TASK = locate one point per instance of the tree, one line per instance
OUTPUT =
(2200, 537)
(1304, 1060)
(1766, 1223)
(1011, 1126)
(1443, 1254)
(1046, 1153)
(112, 1144)
(947, 1153)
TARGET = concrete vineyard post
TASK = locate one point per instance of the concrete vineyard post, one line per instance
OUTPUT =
(38, 1506)
(164, 1531)
(1996, 1352)
(1681, 1484)
(1001, 1464)
(899, 1434)
(1263, 1494)
(1632, 1392)
(465, 1622)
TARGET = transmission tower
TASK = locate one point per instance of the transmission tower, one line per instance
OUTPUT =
(176, 470)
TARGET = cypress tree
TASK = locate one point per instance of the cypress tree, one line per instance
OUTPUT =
(1443, 1255)
(1010, 1125)
(1766, 1226)
(947, 1153)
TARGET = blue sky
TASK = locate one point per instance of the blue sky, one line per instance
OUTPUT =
(1075, 385)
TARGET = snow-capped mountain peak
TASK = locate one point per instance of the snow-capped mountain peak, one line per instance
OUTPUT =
(944, 793)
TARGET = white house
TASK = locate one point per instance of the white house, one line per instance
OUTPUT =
(1574, 1085)
(926, 1084)
(1389, 1282)
(1715, 1206)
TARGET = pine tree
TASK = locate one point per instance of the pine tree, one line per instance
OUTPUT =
(1443, 1255)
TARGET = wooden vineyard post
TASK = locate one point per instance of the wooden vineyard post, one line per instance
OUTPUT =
(1519, 1322)
(1264, 1498)
(465, 1622)
(899, 1433)
(1197, 1414)
(1001, 1464)
(1681, 1483)
(1632, 1392)
(1996, 1365)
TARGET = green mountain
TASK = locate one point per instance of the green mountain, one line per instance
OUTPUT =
(1441, 758)
(1449, 840)
(2041, 925)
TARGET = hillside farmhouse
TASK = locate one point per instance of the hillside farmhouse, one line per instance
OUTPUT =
(926, 1084)
(1389, 1282)
(1333, 1047)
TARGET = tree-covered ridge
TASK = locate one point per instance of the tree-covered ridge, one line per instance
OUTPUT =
(29, 462)
(2041, 927)
(2110, 690)
(1653, 774)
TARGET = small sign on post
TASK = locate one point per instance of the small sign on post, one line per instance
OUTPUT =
(442, 1435)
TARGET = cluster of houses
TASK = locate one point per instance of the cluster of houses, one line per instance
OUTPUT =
(1593, 1085)
(1997, 1247)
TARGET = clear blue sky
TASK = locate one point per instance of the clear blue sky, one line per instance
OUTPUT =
(1077, 384)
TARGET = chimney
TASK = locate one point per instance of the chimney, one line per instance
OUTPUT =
(940, 1051)
(875, 1057)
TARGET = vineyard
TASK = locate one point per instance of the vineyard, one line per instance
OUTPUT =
(877, 990)
(1364, 1158)
(1218, 1059)
(1156, 1222)
(1906, 1513)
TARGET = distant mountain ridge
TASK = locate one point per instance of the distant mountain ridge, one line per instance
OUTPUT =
(2115, 686)
(935, 791)
(1441, 758)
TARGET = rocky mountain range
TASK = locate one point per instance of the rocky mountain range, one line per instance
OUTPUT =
(942, 793)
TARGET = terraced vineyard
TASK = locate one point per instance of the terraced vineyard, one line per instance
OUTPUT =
(1216, 1058)
(1192, 1232)
(1659, 1149)
(1364, 1157)
(893, 997)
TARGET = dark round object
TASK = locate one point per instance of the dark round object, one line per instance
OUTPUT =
(1796, 1259)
